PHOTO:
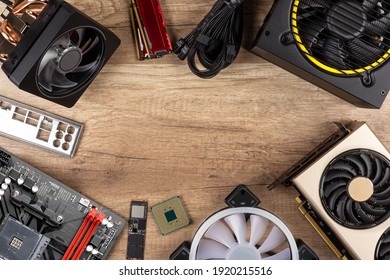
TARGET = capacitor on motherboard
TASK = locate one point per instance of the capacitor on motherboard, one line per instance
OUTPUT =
(34, 189)
(110, 225)
(20, 181)
(89, 248)
(104, 222)
(7, 180)
(95, 252)
(2, 192)
(4, 187)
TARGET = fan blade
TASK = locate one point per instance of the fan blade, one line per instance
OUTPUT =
(387, 239)
(378, 171)
(85, 68)
(310, 30)
(59, 80)
(334, 197)
(360, 165)
(379, 27)
(334, 185)
(87, 48)
(363, 215)
(237, 223)
(385, 249)
(258, 227)
(343, 165)
(45, 77)
(368, 164)
(80, 33)
(349, 210)
(282, 255)
(304, 4)
(333, 54)
(49, 55)
(363, 52)
(209, 249)
(340, 207)
(273, 241)
(337, 174)
(384, 179)
(379, 203)
(383, 194)
(372, 211)
(369, 5)
(221, 233)
(63, 41)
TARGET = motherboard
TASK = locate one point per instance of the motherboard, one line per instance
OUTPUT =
(42, 219)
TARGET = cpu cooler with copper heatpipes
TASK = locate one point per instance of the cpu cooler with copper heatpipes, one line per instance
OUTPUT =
(51, 49)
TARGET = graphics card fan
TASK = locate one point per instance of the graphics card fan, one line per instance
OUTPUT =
(229, 235)
(355, 190)
(383, 248)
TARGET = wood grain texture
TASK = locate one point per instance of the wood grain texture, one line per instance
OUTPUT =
(154, 130)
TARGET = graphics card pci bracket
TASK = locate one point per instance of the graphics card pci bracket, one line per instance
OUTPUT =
(342, 133)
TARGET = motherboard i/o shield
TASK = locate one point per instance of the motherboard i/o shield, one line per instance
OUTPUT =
(41, 218)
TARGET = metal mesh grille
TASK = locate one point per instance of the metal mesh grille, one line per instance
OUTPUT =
(343, 36)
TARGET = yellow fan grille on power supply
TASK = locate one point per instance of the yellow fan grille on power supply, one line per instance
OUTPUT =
(343, 37)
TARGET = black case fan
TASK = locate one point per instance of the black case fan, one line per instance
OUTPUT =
(60, 54)
(342, 46)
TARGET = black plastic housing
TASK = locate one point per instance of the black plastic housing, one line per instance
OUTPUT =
(272, 45)
(57, 18)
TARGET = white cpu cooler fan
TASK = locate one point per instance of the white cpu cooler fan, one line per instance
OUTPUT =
(243, 233)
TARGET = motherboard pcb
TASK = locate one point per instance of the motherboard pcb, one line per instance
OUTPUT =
(41, 218)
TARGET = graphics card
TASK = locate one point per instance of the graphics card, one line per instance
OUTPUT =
(42, 219)
(342, 46)
(345, 192)
(51, 49)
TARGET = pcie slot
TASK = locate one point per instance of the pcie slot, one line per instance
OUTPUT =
(83, 235)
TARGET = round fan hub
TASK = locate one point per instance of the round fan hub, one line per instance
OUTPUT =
(346, 19)
(243, 252)
(69, 59)
(361, 189)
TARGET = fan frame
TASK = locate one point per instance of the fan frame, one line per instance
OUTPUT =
(321, 65)
(245, 210)
(321, 191)
(86, 79)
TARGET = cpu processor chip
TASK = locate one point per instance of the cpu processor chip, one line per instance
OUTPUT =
(170, 215)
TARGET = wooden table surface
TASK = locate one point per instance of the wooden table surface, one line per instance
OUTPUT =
(153, 130)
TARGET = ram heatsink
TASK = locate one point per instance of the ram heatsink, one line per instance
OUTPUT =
(148, 25)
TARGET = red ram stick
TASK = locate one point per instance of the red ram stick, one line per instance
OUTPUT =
(149, 28)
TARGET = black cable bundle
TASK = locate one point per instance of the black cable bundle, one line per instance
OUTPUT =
(216, 41)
